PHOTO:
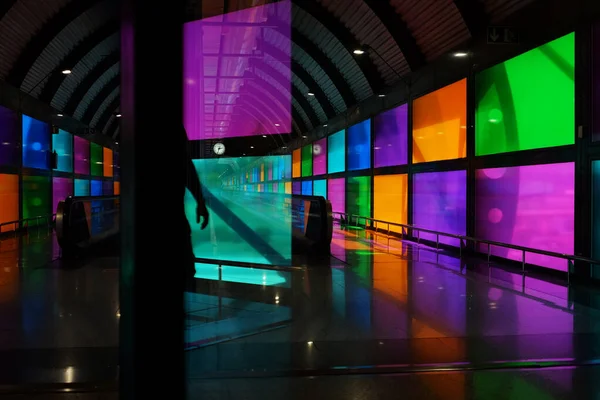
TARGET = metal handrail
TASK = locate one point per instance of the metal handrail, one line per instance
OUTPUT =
(569, 257)
(229, 263)
(49, 218)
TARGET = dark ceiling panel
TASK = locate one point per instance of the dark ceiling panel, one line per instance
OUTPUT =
(113, 126)
(110, 109)
(95, 104)
(75, 55)
(94, 74)
(346, 38)
(5, 6)
(42, 39)
(474, 15)
(399, 31)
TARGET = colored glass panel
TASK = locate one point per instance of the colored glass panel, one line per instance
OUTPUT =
(82, 187)
(336, 194)
(36, 196)
(530, 206)
(36, 143)
(107, 188)
(116, 166)
(440, 124)
(320, 157)
(307, 188)
(336, 152)
(307, 162)
(108, 167)
(359, 146)
(96, 155)
(297, 187)
(358, 196)
(297, 163)
(288, 187)
(390, 202)
(61, 189)
(262, 172)
(439, 203)
(62, 143)
(391, 137)
(320, 188)
(9, 200)
(117, 188)
(9, 137)
(82, 156)
(527, 102)
(95, 187)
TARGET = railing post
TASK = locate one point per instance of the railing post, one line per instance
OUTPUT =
(418, 237)
(437, 241)
(489, 247)
(569, 272)
(460, 248)
(523, 261)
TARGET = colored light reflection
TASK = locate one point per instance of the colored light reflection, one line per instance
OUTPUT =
(440, 204)
(391, 130)
(9, 199)
(222, 56)
(530, 206)
(251, 276)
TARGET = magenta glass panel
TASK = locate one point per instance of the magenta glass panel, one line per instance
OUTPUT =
(391, 137)
(336, 194)
(320, 157)
(61, 189)
(531, 206)
(440, 204)
(82, 156)
(223, 94)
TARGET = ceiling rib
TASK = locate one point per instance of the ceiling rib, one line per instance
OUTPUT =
(102, 94)
(5, 6)
(108, 111)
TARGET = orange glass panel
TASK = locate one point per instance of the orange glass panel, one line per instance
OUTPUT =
(117, 188)
(9, 200)
(108, 162)
(390, 200)
(296, 163)
(288, 187)
(440, 124)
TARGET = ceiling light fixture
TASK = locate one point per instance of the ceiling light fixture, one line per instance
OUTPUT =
(66, 71)
(325, 125)
(118, 115)
(59, 115)
(359, 52)
(311, 94)
(264, 135)
(382, 95)
(251, 147)
(460, 54)
(277, 124)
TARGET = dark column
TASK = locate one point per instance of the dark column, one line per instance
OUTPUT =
(152, 358)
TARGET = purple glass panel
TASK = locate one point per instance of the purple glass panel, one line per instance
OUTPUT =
(440, 204)
(320, 157)
(296, 187)
(116, 166)
(61, 189)
(223, 93)
(82, 156)
(391, 136)
(531, 206)
(9, 137)
(107, 188)
(336, 194)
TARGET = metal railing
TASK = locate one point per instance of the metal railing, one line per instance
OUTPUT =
(229, 263)
(465, 239)
(26, 222)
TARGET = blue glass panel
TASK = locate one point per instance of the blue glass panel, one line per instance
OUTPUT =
(359, 146)
(36, 143)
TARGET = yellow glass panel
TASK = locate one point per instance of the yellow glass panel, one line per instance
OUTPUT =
(288, 188)
(440, 124)
(296, 163)
(390, 200)
(262, 172)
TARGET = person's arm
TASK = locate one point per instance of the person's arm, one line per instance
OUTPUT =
(195, 187)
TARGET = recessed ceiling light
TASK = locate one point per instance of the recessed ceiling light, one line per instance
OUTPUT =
(359, 51)
(325, 125)
(304, 136)
(59, 115)
(460, 54)
(251, 147)
(119, 115)
(66, 71)
(277, 124)
(264, 135)
(116, 142)
(311, 94)
(382, 95)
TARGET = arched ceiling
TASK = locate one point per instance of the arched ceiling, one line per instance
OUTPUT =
(40, 38)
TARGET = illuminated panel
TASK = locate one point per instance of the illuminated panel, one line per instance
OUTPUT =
(117, 188)
(96, 155)
(320, 188)
(36, 143)
(95, 187)
(390, 201)
(530, 206)
(439, 203)
(358, 196)
(288, 188)
(307, 162)
(262, 172)
(320, 157)
(307, 188)
(62, 143)
(336, 152)
(359, 146)
(36, 196)
(297, 187)
(440, 124)
(9, 137)
(9, 199)
(336, 194)
(242, 227)
(116, 166)
(82, 187)
(527, 102)
(61, 189)
(107, 188)
(391, 135)
(224, 94)
(82, 156)
(297, 163)
(108, 162)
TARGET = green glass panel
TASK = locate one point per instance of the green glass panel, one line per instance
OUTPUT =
(307, 161)
(96, 160)
(527, 102)
(358, 196)
(36, 196)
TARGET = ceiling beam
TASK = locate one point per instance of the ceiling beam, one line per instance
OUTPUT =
(44, 37)
(86, 83)
(399, 31)
(79, 51)
(108, 111)
(102, 94)
(346, 38)
(111, 129)
(474, 16)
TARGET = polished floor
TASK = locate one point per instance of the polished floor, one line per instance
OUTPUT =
(379, 319)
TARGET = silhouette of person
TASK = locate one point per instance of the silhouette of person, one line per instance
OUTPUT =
(193, 184)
